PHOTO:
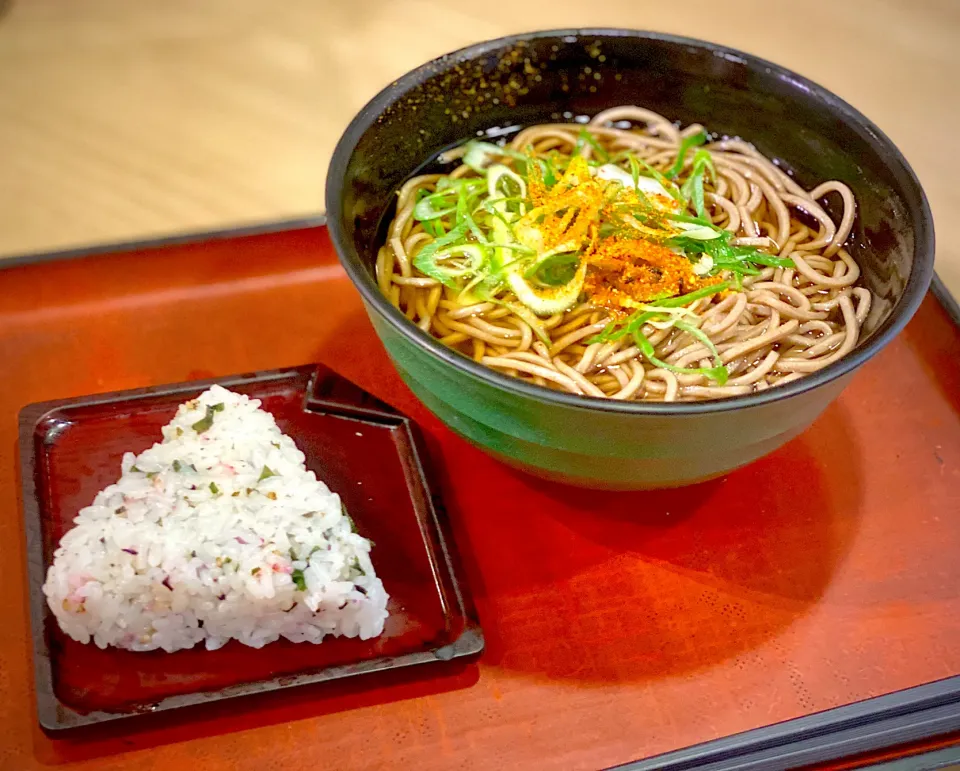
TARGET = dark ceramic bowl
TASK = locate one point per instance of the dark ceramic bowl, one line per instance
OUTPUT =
(552, 76)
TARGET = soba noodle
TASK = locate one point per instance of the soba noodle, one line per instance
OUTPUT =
(795, 311)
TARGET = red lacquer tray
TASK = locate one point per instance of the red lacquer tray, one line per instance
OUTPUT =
(363, 449)
(804, 607)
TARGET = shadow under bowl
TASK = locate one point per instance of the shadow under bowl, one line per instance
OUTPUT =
(555, 76)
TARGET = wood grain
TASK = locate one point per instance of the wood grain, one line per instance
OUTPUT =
(127, 119)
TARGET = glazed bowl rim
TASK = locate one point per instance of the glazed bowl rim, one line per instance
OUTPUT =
(918, 209)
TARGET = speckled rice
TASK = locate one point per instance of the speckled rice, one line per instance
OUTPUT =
(169, 556)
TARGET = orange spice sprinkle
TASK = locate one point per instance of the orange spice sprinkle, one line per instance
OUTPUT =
(622, 273)
(569, 212)
(629, 267)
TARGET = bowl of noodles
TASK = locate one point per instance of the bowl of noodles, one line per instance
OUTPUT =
(623, 259)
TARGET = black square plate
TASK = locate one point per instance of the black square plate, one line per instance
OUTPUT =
(363, 449)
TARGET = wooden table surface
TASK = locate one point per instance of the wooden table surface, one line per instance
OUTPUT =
(125, 119)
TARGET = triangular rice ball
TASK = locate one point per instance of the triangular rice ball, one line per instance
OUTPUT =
(218, 532)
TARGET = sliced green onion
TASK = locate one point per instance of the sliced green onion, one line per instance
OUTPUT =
(649, 311)
(692, 189)
(434, 228)
(547, 302)
(699, 334)
(699, 232)
(741, 260)
(471, 184)
(686, 144)
(555, 269)
(427, 207)
(719, 374)
(530, 318)
(453, 262)
(497, 206)
(634, 170)
(424, 261)
(665, 183)
(696, 294)
(480, 154)
(585, 138)
(498, 179)
(702, 221)
(549, 170)
(617, 330)
(772, 260)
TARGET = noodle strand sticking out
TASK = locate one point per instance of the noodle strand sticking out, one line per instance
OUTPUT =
(643, 263)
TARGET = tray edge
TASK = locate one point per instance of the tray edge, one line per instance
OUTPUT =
(913, 714)
(256, 228)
